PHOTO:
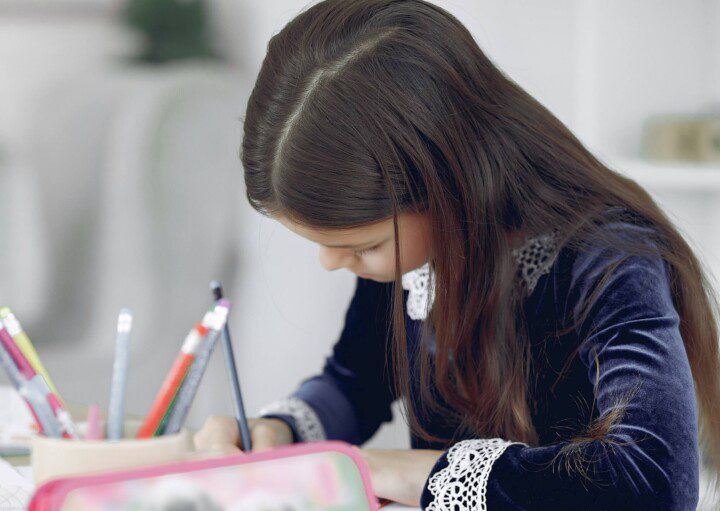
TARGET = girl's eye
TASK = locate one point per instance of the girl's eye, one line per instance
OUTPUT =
(365, 250)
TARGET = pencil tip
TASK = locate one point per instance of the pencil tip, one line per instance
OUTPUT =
(216, 289)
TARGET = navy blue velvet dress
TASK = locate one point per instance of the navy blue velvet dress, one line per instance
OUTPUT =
(649, 460)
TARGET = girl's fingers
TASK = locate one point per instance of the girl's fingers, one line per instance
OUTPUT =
(225, 449)
(223, 431)
(263, 438)
(216, 431)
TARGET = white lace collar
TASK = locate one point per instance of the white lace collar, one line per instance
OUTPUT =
(533, 259)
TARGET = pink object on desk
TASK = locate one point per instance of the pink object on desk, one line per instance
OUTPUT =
(249, 481)
(94, 424)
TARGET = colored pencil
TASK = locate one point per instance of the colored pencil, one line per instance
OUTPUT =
(190, 386)
(38, 382)
(17, 355)
(23, 342)
(172, 381)
(17, 381)
(35, 391)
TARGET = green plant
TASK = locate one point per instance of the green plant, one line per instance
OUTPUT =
(171, 29)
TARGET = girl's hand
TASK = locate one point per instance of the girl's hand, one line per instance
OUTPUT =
(220, 434)
(400, 475)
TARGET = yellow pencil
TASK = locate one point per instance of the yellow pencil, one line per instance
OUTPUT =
(23, 342)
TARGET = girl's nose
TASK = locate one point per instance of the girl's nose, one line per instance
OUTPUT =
(333, 258)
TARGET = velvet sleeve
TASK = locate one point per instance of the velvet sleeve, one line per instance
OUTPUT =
(351, 397)
(648, 459)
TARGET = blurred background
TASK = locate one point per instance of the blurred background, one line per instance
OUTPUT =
(121, 185)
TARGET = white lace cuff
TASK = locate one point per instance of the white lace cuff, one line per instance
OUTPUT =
(462, 484)
(307, 422)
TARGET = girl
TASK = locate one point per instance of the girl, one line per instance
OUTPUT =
(551, 335)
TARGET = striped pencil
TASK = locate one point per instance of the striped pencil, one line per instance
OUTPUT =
(17, 381)
(39, 384)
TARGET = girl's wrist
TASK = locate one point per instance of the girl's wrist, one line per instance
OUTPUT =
(400, 475)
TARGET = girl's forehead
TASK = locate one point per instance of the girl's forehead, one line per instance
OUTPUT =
(351, 236)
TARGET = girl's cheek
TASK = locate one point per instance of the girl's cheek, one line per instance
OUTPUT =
(379, 264)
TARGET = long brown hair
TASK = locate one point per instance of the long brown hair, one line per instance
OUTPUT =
(364, 109)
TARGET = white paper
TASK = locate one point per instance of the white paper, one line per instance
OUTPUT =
(11, 477)
(15, 489)
(16, 421)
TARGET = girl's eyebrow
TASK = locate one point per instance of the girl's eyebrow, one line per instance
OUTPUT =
(358, 245)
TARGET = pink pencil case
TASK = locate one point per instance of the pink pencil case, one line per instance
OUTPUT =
(324, 476)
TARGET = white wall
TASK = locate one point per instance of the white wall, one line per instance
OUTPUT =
(35, 48)
(601, 66)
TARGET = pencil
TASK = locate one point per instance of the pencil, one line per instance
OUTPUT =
(172, 381)
(190, 386)
(161, 430)
(23, 342)
(116, 409)
(209, 319)
(240, 416)
(39, 384)
(17, 355)
(35, 391)
(17, 381)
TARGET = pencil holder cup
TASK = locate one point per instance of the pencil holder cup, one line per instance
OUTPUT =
(59, 457)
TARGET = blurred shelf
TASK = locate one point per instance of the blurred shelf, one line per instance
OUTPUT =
(679, 176)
